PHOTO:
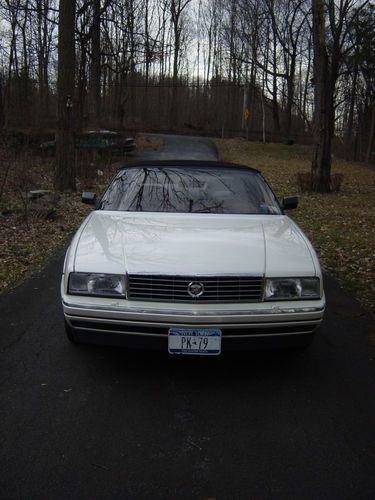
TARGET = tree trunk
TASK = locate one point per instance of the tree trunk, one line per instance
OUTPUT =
(81, 90)
(42, 58)
(65, 153)
(46, 60)
(2, 117)
(263, 114)
(176, 9)
(349, 126)
(95, 64)
(275, 103)
(148, 55)
(324, 112)
(306, 86)
(252, 97)
(176, 54)
(290, 95)
(275, 111)
(371, 136)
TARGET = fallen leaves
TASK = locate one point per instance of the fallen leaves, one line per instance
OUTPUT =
(26, 246)
(341, 225)
(26, 242)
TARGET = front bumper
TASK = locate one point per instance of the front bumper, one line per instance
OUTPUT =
(146, 324)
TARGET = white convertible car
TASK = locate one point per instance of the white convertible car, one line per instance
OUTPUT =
(194, 258)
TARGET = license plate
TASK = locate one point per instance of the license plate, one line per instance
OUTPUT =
(201, 341)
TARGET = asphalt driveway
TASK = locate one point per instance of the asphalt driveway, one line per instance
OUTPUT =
(181, 147)
(90, 422)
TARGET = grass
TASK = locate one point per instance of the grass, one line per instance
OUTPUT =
(340, 225)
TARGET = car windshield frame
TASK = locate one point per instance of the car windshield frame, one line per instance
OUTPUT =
(190, 188)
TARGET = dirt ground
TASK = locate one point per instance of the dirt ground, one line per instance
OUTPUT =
(32, 227)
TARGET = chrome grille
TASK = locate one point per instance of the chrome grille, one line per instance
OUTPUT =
(166, 288)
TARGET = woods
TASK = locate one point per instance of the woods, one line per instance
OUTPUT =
(215, 67)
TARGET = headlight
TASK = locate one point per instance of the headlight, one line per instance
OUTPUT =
(292, 288)
(100, 285)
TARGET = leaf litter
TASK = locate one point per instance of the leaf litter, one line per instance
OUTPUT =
(341, 225)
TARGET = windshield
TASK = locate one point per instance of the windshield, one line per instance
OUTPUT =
(190, 190)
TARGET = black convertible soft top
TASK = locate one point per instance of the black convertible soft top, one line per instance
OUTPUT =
(186, 163)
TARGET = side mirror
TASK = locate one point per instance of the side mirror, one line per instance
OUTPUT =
(290, 202)
(88, 198)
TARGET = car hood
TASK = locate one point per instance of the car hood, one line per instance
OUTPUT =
(192, 244)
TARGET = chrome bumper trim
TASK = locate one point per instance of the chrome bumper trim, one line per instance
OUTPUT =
(174, 312)
(161, 336)
(160, 329)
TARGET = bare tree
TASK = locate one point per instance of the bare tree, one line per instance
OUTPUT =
(95, 61)
(328, 59)
(64, 178)
(43, 27)
(321, 164)
(177, 8)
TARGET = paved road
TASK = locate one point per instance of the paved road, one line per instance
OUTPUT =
(93, 423)
(181, 147)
